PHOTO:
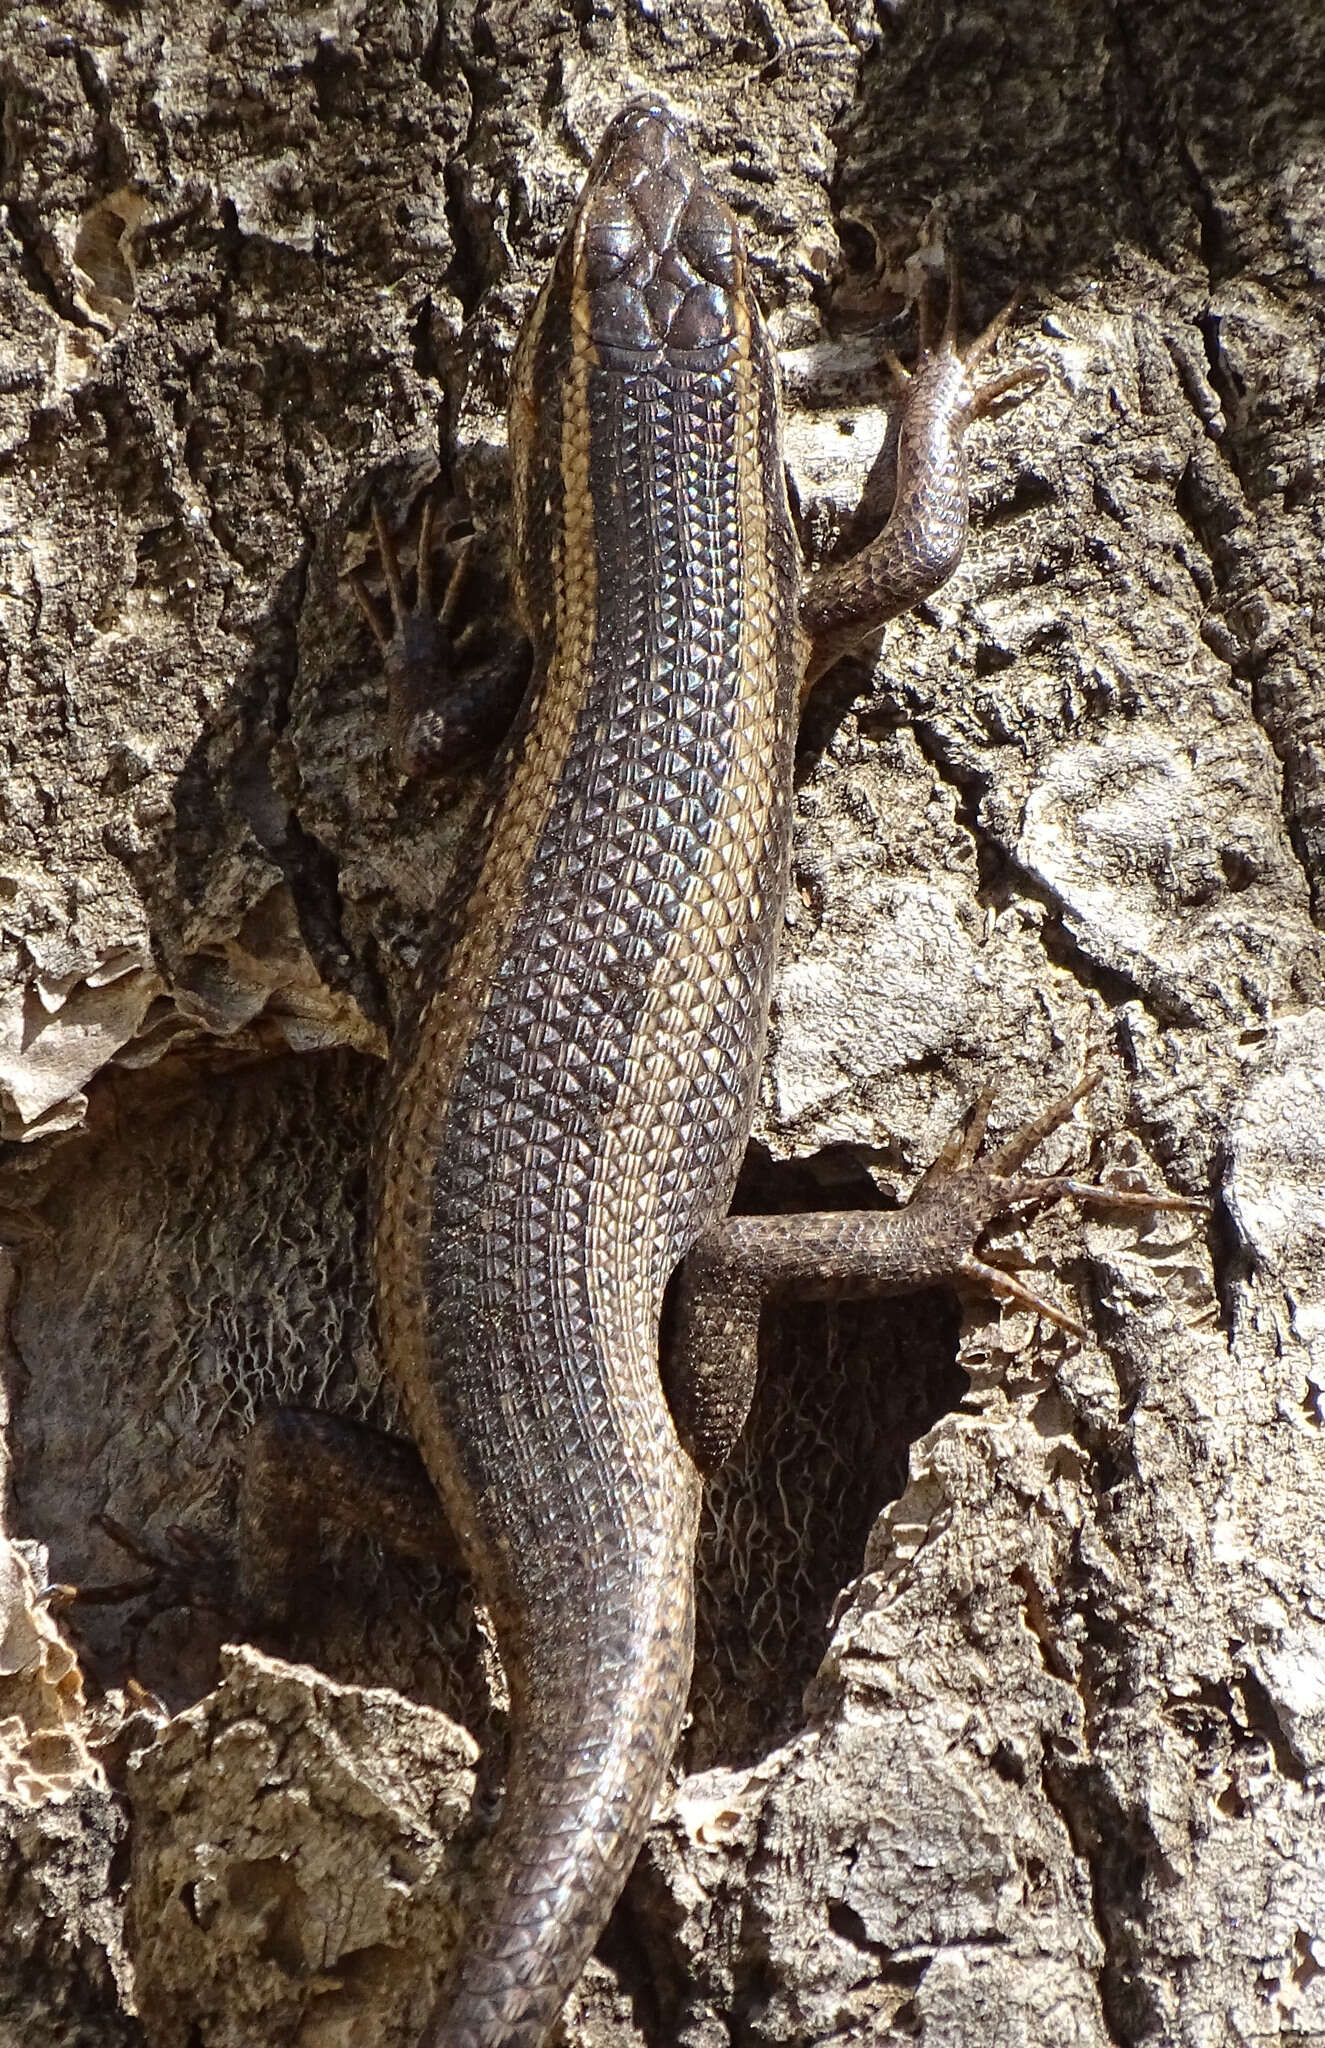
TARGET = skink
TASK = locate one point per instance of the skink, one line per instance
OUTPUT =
(573, 1098)
(574, 1085)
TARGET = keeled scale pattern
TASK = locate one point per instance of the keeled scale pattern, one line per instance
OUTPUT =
(573, 1107)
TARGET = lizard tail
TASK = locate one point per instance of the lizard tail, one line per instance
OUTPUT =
(587, 1760)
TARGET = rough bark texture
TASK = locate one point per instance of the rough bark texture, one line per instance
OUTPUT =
(1057, 1773)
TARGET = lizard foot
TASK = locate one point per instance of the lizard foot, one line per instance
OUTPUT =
(448, 699)
(939, 355)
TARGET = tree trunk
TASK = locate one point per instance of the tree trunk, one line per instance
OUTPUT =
(1009, 1715)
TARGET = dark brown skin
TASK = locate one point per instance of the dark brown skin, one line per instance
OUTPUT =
(572, 1102)
(573, 1092)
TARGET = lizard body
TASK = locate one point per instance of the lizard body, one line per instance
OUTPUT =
(573, 1097)
(573, 1088)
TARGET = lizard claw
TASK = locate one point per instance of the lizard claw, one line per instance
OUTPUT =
(938, 345)
(435, 721)
(987, 1188)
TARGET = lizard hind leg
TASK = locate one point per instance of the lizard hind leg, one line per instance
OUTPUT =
(710, 1353)
(744, 1263)
(304, 1468)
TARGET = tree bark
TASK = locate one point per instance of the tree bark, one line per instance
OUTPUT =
(1009, 1714)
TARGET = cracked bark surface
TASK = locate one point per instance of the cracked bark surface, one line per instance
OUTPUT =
(1009, 1720)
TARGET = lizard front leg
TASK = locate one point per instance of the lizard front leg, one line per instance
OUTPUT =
(844, 605)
